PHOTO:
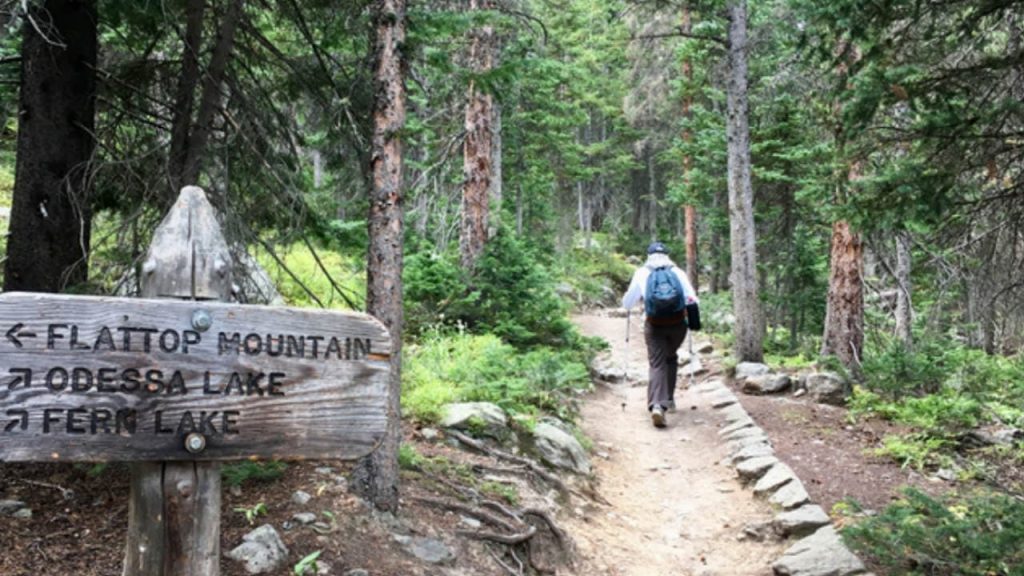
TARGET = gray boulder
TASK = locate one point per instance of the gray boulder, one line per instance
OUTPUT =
(261, 550)
(791, 495)
(704, 347)
(428, 550)
(800, 522)
(604, 368)
(766, 384)
(479, 418)
(754, 468)
(820, 554)
(827, 388)
(779, 474)
(746, 370)
(300, 498)
(559, 448)
(755, 451)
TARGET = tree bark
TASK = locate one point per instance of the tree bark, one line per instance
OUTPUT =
(690, 211)
(477, 148)
(844, 315)
(844, 312)
(185, 93)
(749, 327)
(376, 476)
(904, 303)
(652, 193)
(209, 101)
(50, 223)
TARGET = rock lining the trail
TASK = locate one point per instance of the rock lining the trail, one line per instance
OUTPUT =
(820, 551)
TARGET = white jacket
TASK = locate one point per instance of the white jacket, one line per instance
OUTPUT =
(639, 283)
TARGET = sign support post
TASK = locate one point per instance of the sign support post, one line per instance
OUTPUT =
(174, 507)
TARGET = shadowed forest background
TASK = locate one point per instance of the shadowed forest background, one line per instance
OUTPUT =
(843, 180)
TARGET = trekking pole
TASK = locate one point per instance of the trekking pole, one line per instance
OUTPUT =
(625, 360)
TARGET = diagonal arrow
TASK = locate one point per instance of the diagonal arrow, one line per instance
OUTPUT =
(21, 422)
(14, 333)
(21, 376)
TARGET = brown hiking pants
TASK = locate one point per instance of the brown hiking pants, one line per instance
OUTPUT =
(663, 356)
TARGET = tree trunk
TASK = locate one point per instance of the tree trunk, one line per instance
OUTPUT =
(494, 203)
(185, 95)
(749, 327)
(844, 312)
(209, 101)
(689, 209)
(477, 149)
(376, 476)
(904, 304)
(652, 193)
(50, 225)
(844, 315)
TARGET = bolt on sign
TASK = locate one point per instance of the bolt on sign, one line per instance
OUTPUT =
(102, 379)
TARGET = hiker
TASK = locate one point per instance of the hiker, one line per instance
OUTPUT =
(665, 291)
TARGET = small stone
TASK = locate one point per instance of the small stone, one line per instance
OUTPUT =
(24, 514)
(430, 434)
(704, 347)
(304, 518)
(323, 569)
(946, 474)
(766, 384)
(754, 468)
(357, 572)
(694, 368)
(734, 413)
(262, 551)
(756, 531)
(10, 506)
(799, 392)
(325, 470)
(723, 400)
(471, 522)
(300, 498)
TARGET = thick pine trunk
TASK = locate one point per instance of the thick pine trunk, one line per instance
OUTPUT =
(844, 312)
(904, 303)
(477, 149)
(844, 315)
(749, 327)
(50, 222)
(185, 94)
(376, 476)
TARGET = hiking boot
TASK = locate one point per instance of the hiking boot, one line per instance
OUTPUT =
(658, 416)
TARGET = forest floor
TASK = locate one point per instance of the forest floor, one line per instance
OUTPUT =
(658, 501)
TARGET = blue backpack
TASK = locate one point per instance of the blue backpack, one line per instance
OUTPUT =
(664, 297)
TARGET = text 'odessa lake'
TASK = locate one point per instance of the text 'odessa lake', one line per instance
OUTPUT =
(112, 370)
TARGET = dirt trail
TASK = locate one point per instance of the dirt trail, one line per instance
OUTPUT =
(674, 510)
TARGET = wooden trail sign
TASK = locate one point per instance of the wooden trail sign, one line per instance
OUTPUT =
(123, 379)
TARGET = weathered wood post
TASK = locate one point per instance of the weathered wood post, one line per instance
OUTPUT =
(180, 381)
(174, 510)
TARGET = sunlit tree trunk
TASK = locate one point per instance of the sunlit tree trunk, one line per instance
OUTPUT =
(376, 476)
(749, 327)
(477, 148)
(50, 223)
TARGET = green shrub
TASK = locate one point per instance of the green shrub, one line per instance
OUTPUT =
(982, 535)
(464, 367)
(897, 371)
(511, 294)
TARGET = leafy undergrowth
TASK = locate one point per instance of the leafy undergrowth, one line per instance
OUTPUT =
(979, 534)
(462, 367)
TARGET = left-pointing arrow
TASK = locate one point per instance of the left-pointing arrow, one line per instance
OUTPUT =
(15, 333)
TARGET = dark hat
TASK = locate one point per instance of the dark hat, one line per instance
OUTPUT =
(657, 248)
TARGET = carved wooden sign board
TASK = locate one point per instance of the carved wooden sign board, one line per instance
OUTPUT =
(124, 379)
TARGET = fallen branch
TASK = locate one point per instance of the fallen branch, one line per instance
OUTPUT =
(68, 494)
